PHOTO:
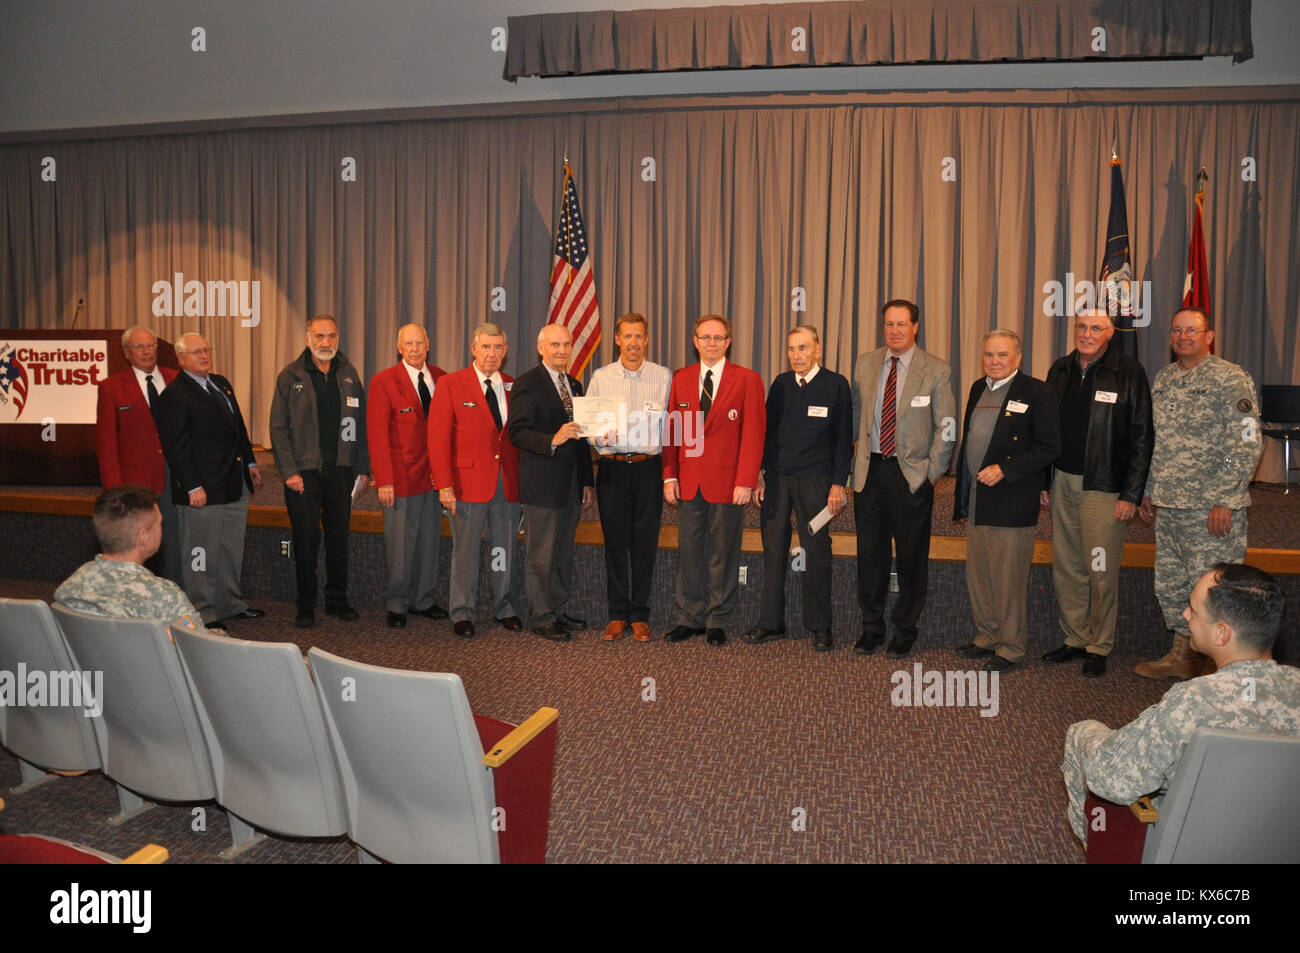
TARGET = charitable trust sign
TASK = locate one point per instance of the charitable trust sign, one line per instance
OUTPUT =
(55, 380)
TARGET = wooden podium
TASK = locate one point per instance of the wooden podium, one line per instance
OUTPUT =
(48, 390)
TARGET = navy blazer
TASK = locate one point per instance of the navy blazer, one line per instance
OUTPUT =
(536, 412)
(205, 445)
(1024, 444)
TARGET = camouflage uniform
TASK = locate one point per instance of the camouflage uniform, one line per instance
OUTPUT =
(1207, 447)
(125, 590)
(1141, 757)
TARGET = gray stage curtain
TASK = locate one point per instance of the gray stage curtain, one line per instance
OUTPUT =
(870, 32)
(842, 196)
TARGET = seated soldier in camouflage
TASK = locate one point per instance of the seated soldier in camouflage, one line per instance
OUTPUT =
(116, 583)
(1234, 616)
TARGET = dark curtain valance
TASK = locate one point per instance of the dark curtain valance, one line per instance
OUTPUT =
(872, 32)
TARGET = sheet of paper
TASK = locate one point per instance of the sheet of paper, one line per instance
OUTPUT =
(821, 519)
(596, 415)
(356, 488)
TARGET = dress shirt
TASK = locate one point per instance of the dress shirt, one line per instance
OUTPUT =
(991, 384)
(498, 388)
(158, 383)
(717, 375)
(415, 373)
(644, 395)
(904, 363)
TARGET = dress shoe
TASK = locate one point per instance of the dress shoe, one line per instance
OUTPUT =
(511, 623)
(758, 635)
(1066, 653)
(397, 620)
(305, 620)
(900, 646)
(614, 630)
(1094, 666)
(433, 612)
(552, 632)
(640, 632)
(971, 650)
(822, 641)
(869, 642)
(999, 664)
(682, 633)
(247, 614)
(464, 628)
(716, 637)
(569, 624)
(344, 613)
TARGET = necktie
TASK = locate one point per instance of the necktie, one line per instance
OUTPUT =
(219, 397)
(425, 396)
(490, 393)
(888, 410)
(150, 391)
(706, 398)
(802, 381)
(565, 397)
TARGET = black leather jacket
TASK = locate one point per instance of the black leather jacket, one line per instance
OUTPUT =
(1117, 454)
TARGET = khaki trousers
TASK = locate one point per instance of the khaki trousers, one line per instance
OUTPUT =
(1087, 549)
(997, 578)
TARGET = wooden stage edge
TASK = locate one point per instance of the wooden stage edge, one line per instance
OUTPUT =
(942, 548)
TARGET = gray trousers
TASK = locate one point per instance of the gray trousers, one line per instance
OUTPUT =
(997, 578)
(212, 551)
(708, 562)
(412, 541)
(171, 538)
(500, 519)
(548, 560)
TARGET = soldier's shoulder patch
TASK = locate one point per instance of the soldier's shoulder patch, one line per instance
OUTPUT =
(1244, 405)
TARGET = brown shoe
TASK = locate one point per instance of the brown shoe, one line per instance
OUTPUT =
(614, 629)
(1181, 661)
(640, 632)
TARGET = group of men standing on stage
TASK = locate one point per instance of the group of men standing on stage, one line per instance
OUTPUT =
(1093, 441)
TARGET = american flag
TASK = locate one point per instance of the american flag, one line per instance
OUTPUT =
(573, 285)
(13, 378)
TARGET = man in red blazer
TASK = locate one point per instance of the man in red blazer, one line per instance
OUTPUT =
(711, 466)
(397, 426)
(126, 437)
(476, 473)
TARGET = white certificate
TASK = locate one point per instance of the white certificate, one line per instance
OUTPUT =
(596, 415)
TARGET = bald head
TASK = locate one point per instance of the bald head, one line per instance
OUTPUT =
(555, 344)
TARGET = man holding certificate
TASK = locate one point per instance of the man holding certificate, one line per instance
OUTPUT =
(629, 478)
(806, 459)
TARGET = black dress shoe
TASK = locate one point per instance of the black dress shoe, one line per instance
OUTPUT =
(552, 632)
(900, 646)
(464, 628)
(822, 641)
(511, 623)
(1066, 653)
(344, 613)
(397, 620)
(758, 635)
(868, 643)
(716, 637)
(305, 620)
(999, 664)
(1094, 666)
(433, 612)
(682, 633)
(971, 650)
(569, 624)
(249, 613)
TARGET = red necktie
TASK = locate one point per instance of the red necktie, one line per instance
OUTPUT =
(888, 412)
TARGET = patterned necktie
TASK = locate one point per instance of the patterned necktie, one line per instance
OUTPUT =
(490, 393)
(706, 398)
(425, 396)
(150, 391)
(888, 410)
(565, 397)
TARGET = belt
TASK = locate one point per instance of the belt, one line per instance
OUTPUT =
(881, 456)
(628, 457)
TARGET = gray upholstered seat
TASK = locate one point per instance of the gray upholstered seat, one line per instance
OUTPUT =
(261, 719)
(1232, 801)
(45, 736)
(148, 735)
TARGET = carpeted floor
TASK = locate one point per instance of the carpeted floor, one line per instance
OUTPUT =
(740, 746)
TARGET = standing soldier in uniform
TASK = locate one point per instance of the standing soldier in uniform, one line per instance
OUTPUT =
(1207, 446)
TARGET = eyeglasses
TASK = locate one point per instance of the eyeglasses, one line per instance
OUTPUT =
(142, 347)
(711, 339)
(199, 350)
(1186, 332)
(1094, 328)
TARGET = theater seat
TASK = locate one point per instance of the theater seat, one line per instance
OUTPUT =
(1231, 801)
(44, 737)
(261, 719)
(39, 849)
(425, 781)
(149, 739)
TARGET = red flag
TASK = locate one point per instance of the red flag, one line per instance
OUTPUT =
(573, 284)
(1196, 286)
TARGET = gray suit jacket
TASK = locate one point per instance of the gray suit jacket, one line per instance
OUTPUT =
(926, 431)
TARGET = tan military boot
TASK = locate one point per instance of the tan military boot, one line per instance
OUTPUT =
(1181, 661)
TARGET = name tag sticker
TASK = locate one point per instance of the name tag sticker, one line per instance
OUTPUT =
(816, 411)
(921, 400)
(1106, 396)
(1017, 407)
(354, 402)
